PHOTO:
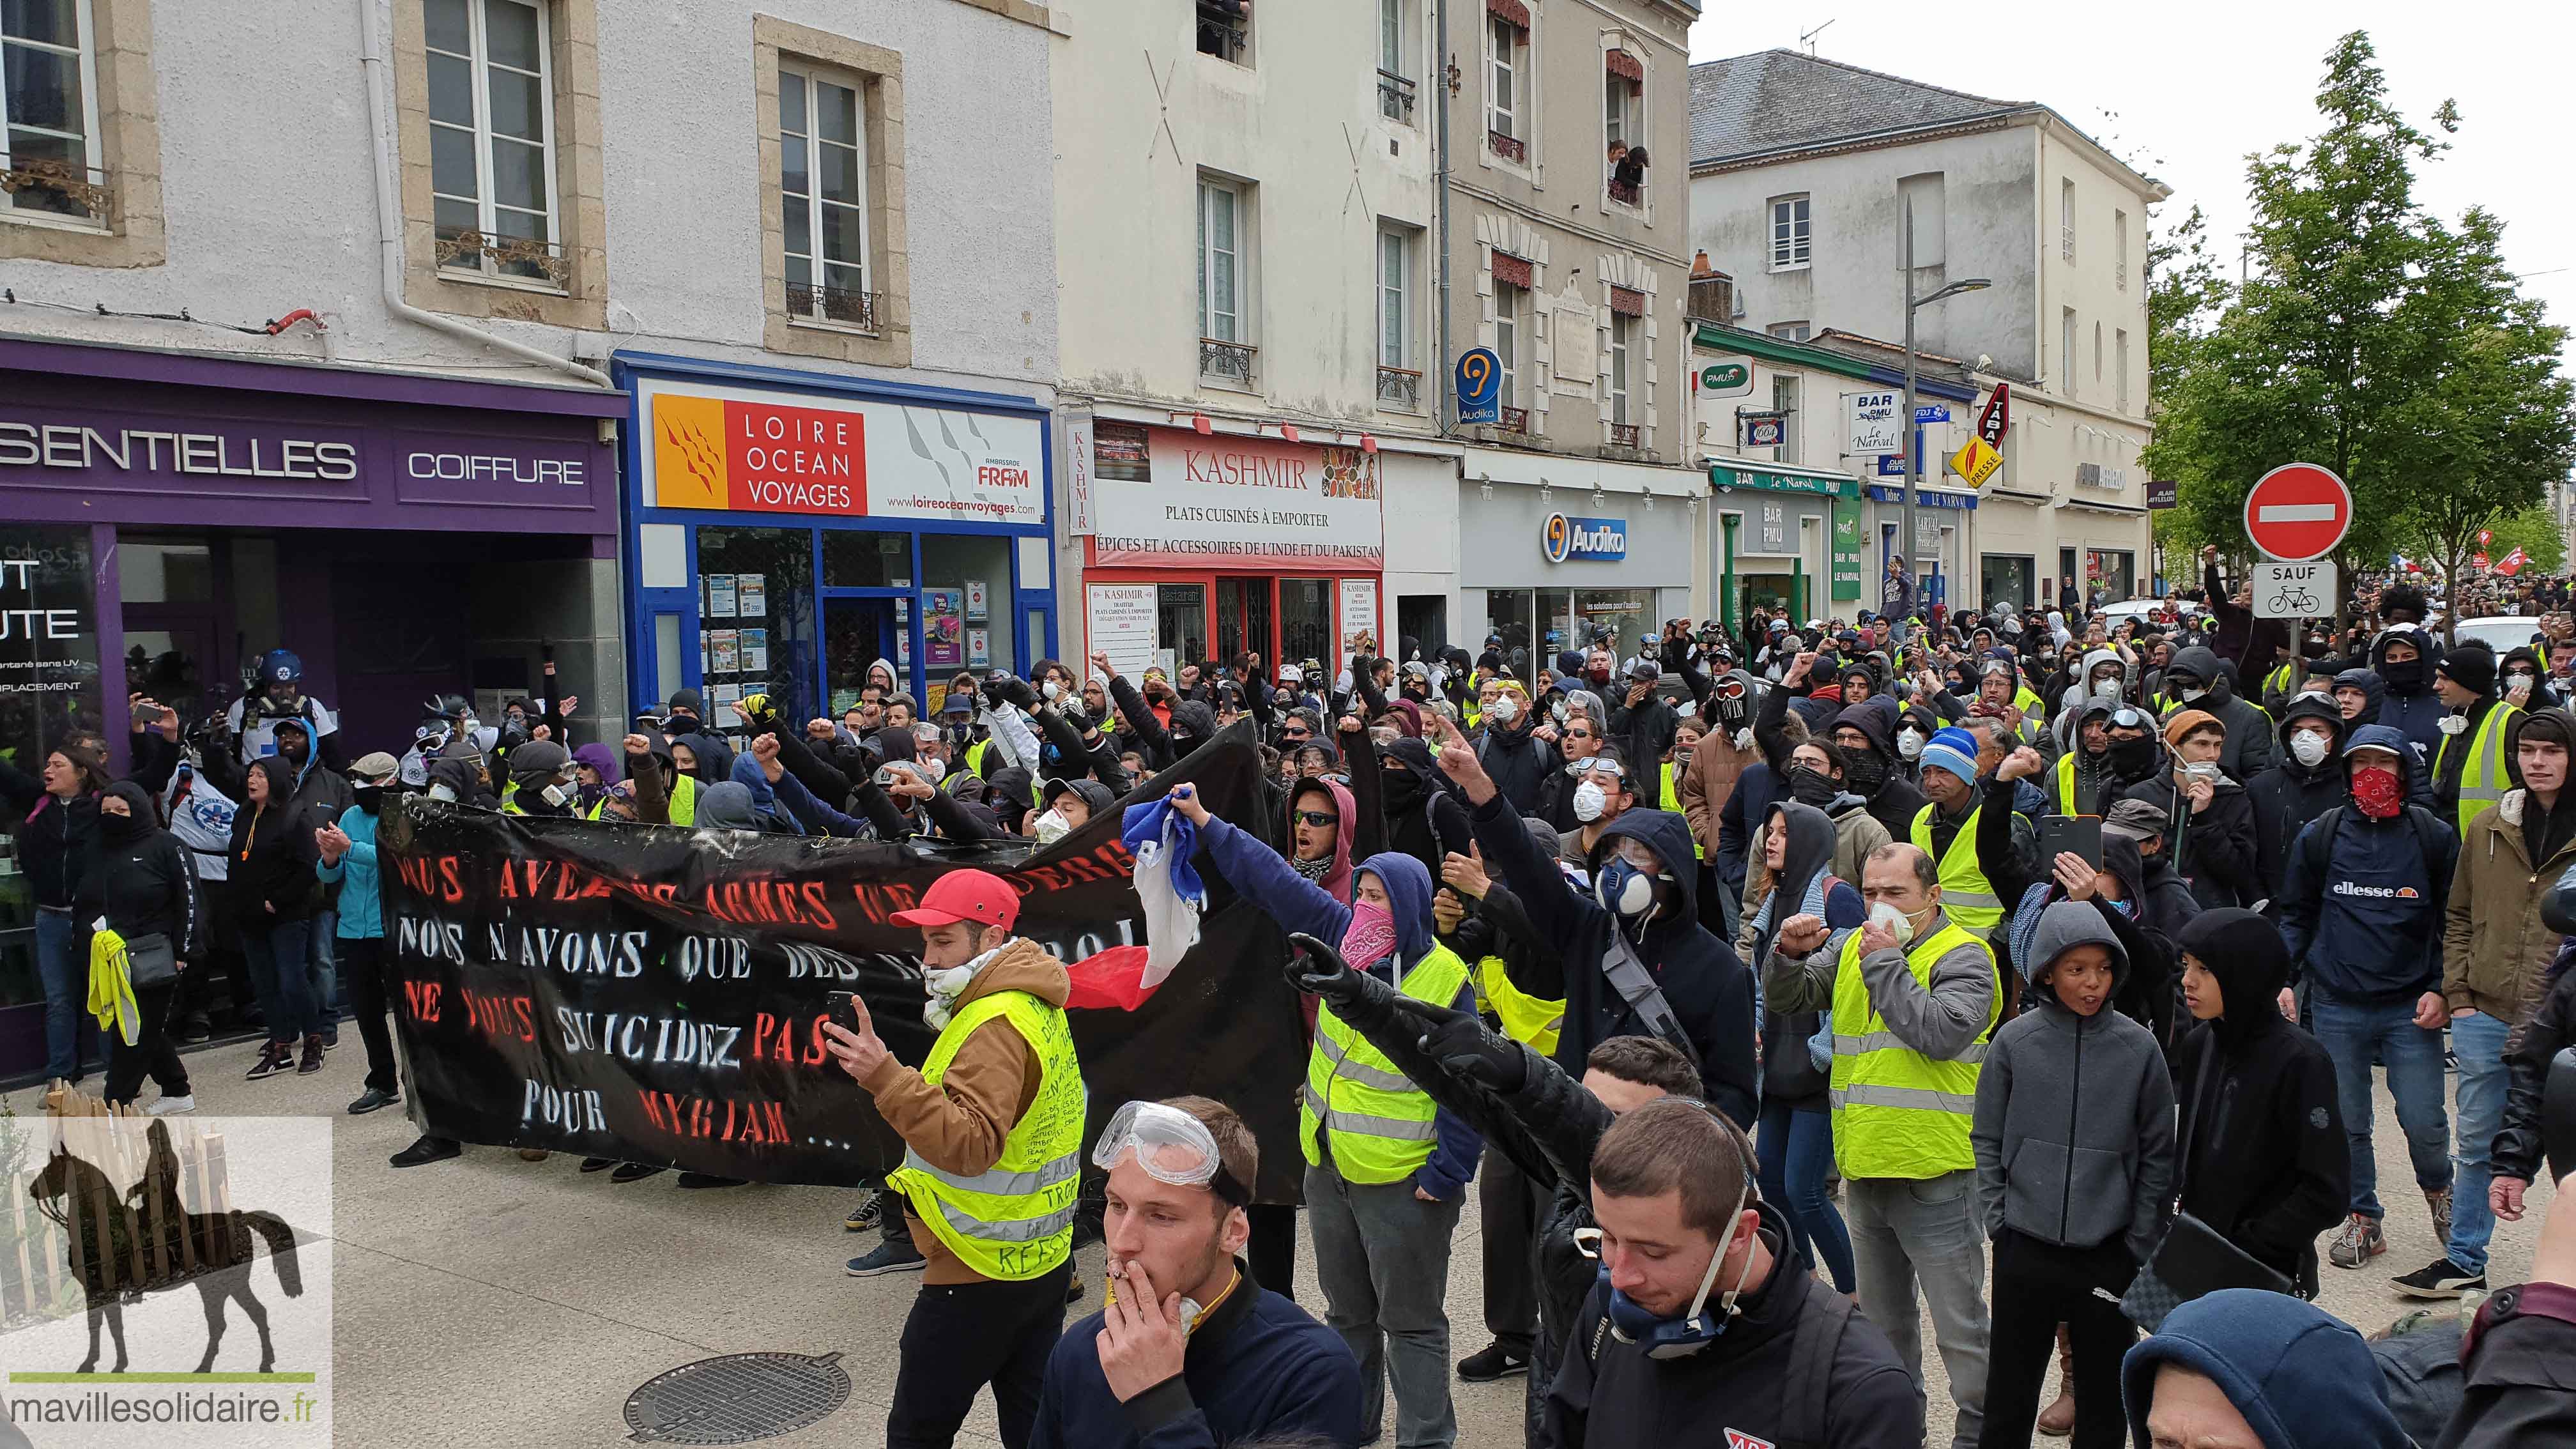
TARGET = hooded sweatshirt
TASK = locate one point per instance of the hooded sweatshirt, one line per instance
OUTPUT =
(2288, 796)
(1804, 885)
(2262, 1158)
(1335, 875)
(1897, 799)
(273, 854)
(2302, 1378)
(140, 877)
(2409, 705)
(2249, 746)
(1708, 989)
(2074, 1121)
(2362, 910)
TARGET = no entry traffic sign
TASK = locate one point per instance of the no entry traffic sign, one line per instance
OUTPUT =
(2298, 511)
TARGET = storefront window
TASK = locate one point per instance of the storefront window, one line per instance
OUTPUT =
(1769, 591)
(2010, 579)
(1243, 620)
(49, 693)
(1306, 619)
(965, 578)
(854, 560)
(1626, 613)
(2110, 575)
(1180, 625)
(1507, 612)
(856, 634)
(756, 618)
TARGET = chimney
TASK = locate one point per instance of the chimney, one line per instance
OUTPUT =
(1699, 265)
(1712, 294)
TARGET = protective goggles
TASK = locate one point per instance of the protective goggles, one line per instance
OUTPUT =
(2128, 718)
(1172, 1146)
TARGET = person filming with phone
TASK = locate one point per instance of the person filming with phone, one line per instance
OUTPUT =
(992, 1134)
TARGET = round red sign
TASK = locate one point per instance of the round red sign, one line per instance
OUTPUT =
(2298, 512)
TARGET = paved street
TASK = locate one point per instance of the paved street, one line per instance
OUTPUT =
(492, 1302)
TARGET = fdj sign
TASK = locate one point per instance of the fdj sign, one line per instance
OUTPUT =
(1601, 540)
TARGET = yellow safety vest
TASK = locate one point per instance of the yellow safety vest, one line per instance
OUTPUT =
(1966, 895)
(975, 758)
(1672, 801)
(2483, 779)
(1014, 1222)
(1898, 1113)
(2281, 680)
(2027, 700)
(684, 800)
(1472, 711)
(1380, 1121)
(1526, 1019)
(2065, 782)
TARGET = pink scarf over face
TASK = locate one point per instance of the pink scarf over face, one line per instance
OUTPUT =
(1370, 938)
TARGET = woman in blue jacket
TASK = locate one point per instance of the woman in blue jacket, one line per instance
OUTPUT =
(349, 861)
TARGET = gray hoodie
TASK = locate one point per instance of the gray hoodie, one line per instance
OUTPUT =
(2074, 1130)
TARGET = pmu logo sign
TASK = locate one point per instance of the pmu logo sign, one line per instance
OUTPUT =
(1603, 540)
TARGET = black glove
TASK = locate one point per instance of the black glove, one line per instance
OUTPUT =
(1466, 1047)
(1319, 970)
(1017, 691)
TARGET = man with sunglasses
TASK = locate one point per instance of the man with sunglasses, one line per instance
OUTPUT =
(1560, 794)
(1190, 1350)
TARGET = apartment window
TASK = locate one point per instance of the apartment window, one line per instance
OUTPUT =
(1391, 294)
(2066, 349)
(1623, 333)
(491, 129)
(2066, 219)
(1784, 401)
(1225, 29)
(1394, 76)
(49, 146)
(2120, 366)
(823, 198)
(1511, 304)
(2120, 249)
(1789, 237)
(1224, 355)
(1788, 331)
(1506, 102)
(2097, 354)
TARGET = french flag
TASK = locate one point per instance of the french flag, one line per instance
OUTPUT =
(1163, 842)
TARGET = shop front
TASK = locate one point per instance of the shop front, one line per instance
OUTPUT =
(171, 518)
(1789, 538)
(1208, 545)
(788, 530)
(1552, 565)
(1942, 522)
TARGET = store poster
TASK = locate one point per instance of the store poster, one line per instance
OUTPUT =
(1359, 616)
(49, 665)
(979, 648)
(751, 595)
(978, 603)
(724, 651)
(755, 651)
(1119, 622)
(723, 694)
(721, 597)
(943, 628)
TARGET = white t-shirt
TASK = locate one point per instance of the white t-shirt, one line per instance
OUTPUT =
(202, 817)
(261, 738)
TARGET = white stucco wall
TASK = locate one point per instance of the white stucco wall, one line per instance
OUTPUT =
(269, 192)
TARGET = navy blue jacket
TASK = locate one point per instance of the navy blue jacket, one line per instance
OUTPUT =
(1747, 806)
(2301, 1378)
(1300, 906)
(2416, 713)
(1258, 1367)
(2367, 926)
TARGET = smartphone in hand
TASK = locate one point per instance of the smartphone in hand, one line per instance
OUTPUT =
(840, 1010)
(2079, 833)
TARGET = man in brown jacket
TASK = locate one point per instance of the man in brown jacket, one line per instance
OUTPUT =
(1718, 761)
(2495, 956)
(992, 1133)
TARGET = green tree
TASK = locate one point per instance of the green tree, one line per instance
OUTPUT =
(2311, 359)
(2186, 292)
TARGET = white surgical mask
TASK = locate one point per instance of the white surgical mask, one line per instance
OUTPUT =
(2308, 747)
(1051, 828)
(1898, 924)
(1504, 709)
(2454, 723)
(1054, 691)
(2191, 696)
(1909, 742)
(1589, 801)
(2107, 688)
(442, 792)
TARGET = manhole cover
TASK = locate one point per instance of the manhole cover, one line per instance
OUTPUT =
(736, 1399)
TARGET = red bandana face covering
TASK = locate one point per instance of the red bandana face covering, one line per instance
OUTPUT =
(2378, 793)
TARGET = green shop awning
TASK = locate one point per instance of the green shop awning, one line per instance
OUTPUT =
(1779, 479)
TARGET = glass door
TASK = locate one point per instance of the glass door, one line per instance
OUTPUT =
(1181, 625)
(1243, 620)
(859, 632)
(1306, 620)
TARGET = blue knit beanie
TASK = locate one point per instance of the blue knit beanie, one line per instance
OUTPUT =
(1954, 750)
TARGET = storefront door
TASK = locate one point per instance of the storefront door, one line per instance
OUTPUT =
(859, 630)
(1243, 620)
(1180, 623)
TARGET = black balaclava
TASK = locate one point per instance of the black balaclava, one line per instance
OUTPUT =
(124, 830)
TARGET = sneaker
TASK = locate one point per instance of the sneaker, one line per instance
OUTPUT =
(427, 1150)
(634, 1171)
(274, 1057)
(597, 1164)
(184, 1102)
(1494, 1362)
(373, 1099)
(2440, 1278)
(331, 1039)
(312, 1056)
(887, 1259)
(2358, 1243)
(2440, 1203)
(709, 1179)
(865, 1217)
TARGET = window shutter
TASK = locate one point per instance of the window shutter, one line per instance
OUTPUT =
(1512, 269)
(1511, 10)
(1627, 303)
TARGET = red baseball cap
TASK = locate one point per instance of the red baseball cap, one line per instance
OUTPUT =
(965, 895)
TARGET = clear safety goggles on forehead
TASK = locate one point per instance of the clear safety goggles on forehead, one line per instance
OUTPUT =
(1171, 1146)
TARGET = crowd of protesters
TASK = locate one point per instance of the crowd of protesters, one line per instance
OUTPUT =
(2055, 938)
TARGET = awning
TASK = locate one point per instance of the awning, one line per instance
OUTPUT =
(1925, 496)
(2124, 510)
(1784, 478)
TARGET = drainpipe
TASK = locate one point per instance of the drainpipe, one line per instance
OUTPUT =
(1440, 365)
(389, 215)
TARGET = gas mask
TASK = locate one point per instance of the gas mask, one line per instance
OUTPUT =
(1702, 1325)
(2308, 748)
(2107, 687)
(1504, 709)
(557, 793)
(1631, 888)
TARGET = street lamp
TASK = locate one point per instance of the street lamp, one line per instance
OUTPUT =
(1913, 430)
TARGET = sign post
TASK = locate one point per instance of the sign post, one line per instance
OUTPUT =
(2293, 590)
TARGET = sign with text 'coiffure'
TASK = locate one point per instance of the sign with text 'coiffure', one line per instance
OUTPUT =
(656, 993)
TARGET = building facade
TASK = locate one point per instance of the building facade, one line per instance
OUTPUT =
(1803, 171)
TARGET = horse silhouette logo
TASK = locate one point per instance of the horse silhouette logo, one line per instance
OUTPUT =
(122, 1246)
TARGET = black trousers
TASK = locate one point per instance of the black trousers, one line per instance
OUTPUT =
(1509, 1208)
(362, 976)
(152, 1052)
(1272, 1250)
(962, 1336)
(2037, 1287)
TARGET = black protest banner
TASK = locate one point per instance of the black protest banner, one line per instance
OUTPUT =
(655, 994)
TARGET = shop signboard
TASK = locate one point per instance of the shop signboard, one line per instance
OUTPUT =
(1480, 386)
(1359, 614)
(1771, 532)
(1848, 571)
(1598, 540)
(756, 450)
(1873, 422)
(1228, 501)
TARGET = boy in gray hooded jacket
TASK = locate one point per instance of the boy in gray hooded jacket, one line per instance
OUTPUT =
(2074, 1136)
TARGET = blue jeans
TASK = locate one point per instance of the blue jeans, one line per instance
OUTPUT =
(2479, 1041)
(322, 973)
(1794, 1149)
(2350, 1033)
(62, 964)
(278, 954)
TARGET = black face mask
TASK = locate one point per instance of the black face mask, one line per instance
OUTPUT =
(2135, 759)
(2404, 676)
(1810, 786)
(370, 798)
(1864, 773)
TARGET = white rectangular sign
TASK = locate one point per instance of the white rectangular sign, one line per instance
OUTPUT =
(1224, 500)
(1873, 422)
(1119, 622)
(2293, 590)
(1359, 613)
